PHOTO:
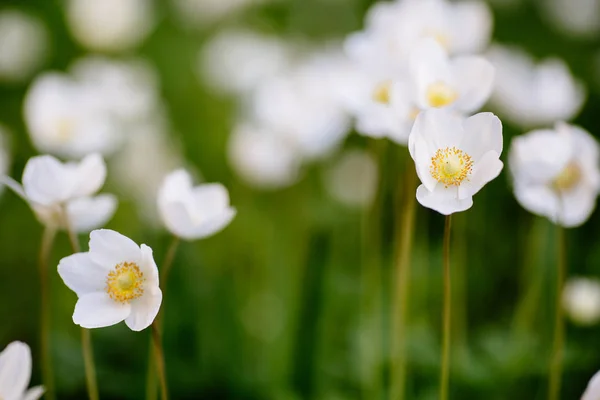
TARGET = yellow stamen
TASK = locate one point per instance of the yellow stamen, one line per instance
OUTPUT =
(382, 92)
(568, 178)
(450, 166)
(64, 130)
(440, 94)
(125, 282)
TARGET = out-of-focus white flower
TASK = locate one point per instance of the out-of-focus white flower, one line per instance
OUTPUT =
(555, 173)
(125, 89)
(115, 280)
(23, 45)
(592, 392)
(462, 84)
(531, 95)
(261, 57)
(201, 12)
(352, 180)
(139, 176)
(454, 157)
(15, 373)
(63, 118)
(52, 188)
(573, 17)
(4, 154)
(581, 300)
(305, 105)
(110, 25)
(192, 212)
(263, 158)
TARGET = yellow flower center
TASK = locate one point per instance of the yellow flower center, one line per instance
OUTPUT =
(125, 282)
(440, 94)
(568, 178)
(64, 130)
(450, 166)
(382, 92)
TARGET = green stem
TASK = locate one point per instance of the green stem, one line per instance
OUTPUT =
(167, 265)
(86, 339)
(445, 370)
(159, 360)
(559, 329)
(404, 232)
(47, 370)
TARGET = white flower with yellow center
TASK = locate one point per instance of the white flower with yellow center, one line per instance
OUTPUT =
(454, 157)
(115, 280)
(462, 84)
(15, 373)
(51, 187)
(193, 212)
(555, 173)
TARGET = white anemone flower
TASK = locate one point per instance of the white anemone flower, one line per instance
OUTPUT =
(15, 373)
(192, 212)
(52, 188)
(462, 84)
(581, 300)
(115, 280)
(592, 391)
(24, 44)
(555, 173)
(63, 118)
(262, 57)
(533, 95)
(454, 157)
(110, 25)
(263, 158)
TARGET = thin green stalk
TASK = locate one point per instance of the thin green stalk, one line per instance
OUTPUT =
(86, 339)
(405, 224)
(167, 265)
(559, 329)
(47, 370)
(445, 370)
(159, 360)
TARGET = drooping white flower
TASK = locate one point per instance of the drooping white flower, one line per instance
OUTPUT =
(115, 280)
(15, 373)
(592, 391)
(63, 118)
(192, 212)
(110, 25)
(52, 188)
(24, 43)
(353, 179)
(555, 173)
(462, 84)
(533, 95)
(262, 57)
(581, 300)
(263, 158)
(126, 89)
(454, 157)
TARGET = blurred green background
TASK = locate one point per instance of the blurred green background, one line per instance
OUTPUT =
(276, 306)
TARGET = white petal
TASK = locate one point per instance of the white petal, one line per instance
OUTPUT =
(148, 265)
(592, 392)
(34, 393)
(475, 81)
(82, 275)
(577, 205)
(175, 185)
(144, 309)
(211, 198)
(443, 200)
(538, 199)
(88, 213)
(15, 370)
(485, 170)
(428, 65)
(109, 248)
(89, 175)
(483, 132)
(97, 310)
(211, 226)
(176, 218)
(44, 180)
(422, 157)
(473, 22)
(440, 128)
